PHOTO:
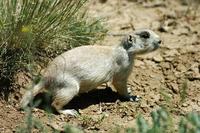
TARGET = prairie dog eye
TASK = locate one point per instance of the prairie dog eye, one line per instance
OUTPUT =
(144, 35)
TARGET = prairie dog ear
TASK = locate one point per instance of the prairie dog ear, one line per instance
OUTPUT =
(130, 39)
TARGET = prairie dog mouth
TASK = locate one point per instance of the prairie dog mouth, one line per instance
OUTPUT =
(156, 46)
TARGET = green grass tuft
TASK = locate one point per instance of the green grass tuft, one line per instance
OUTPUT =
(32, 29)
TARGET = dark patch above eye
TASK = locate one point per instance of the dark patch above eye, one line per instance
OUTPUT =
(144, 34)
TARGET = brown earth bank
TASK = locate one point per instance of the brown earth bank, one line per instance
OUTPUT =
(169, 71)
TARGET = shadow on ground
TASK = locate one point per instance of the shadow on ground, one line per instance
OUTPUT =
(44, 100)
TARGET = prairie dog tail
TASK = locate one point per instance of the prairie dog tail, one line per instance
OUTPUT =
(30, 94)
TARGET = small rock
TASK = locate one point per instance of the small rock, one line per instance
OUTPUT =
(166, 65)
(174, 88)
(150, 63)
(171, 15)
(181, 31)
(181, 68)
(171, 53)
(138, 63)
(130, 118)
(198, 103)
(184, 104)
(167, 25)
(143, 104)
(155, 25)
(158, 58)
(164, 28)
(195, 68)
(145, 109)
(106, 114)
(169, 77)
(195, 106)
(169, 59)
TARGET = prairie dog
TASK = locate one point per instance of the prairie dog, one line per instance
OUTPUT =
(84, 68)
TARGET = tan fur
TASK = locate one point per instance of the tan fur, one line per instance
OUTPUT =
(84, 68)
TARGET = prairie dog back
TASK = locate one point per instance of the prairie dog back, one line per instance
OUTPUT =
(89, 65)
(84, 68)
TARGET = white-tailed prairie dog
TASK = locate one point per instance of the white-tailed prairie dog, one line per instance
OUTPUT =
(84, 68)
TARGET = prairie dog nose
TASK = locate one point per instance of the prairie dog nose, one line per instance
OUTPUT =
(159, 41)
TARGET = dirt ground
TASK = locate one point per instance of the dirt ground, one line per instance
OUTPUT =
(163, 73)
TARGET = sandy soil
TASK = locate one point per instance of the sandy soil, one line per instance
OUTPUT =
(176, 65)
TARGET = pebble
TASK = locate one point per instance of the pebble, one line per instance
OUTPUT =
(184, 104)
(175, 88)
(171, 53)
(169, 59)
(198, 103)
(138, 63)
(181, 68)
(155, 25)
(180, 31)
(158, 58)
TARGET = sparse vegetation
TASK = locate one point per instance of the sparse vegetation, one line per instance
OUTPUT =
(161, 123)
(88, 121)
(183, 91)
(32, 29)
(30, 124)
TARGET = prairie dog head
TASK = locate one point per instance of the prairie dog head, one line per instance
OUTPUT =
(141, 41)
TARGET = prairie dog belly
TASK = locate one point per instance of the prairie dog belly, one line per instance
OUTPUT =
(91, 81)
(96, 75)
